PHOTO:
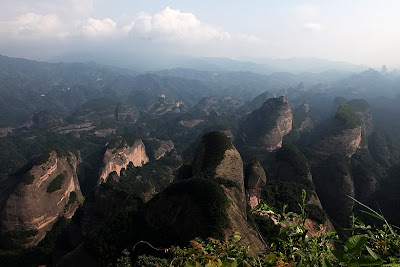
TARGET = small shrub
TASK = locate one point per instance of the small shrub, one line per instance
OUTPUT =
(56, 183)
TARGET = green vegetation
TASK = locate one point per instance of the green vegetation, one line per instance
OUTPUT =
(129, 226)
(151, 261)
(292, 155)
(28, 178)
(278, 194)
(72, 197)
(215, 145)
(292, 245)
(21, 236)
(41, 254)
(359, 105)
(346, 118)
(57, 182)
(154, 175)
(210, 196)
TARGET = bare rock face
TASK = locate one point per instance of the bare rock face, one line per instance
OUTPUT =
(5, 131)
(167, 105)
(231, 168)
(255, 179)
(346, 142)
(363, 110)
(118, 155)
(302, 121)
(217, 157)
(265, 127)
(50, 190)
(159, 147)
(190, 123)
(351, 124)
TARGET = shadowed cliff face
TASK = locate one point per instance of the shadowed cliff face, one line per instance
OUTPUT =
(49, 190)
(344, 135)
(216, 156)
(336, 152)
(255, 179)
(346, 142)
(118, 156)
(265, 127)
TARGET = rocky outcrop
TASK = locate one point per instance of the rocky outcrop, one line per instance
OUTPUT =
(343, 136)
(266, 126)
(49, 190)
(363, 110)
(190, 123)
(75, 128)
(119, 153)
(345, 142)
(217, 158)
(302, 121)
(4, 131)
(255, 179)
(256, 103)
(167, 105)
(159, 148)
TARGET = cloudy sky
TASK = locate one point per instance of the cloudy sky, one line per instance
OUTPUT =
(358, 31)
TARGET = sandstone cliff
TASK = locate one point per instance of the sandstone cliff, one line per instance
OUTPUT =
(343, 136)
(49, 190)
(364, 112)
(265, 127)
(217, 157)
(255, 179)
(346, 142)
(119, 153)
(158, 148)
(302, 121)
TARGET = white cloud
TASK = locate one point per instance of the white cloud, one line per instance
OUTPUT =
(312, 26)
(36, 26)
(174, 25)
(94, 27)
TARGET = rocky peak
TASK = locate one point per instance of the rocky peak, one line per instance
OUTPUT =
(119, 153)
(255, 179)
(301, 118)
(158, 148)
(343, 136)
(364, 112)
(265, 127)
(167, 105)
(48, 190)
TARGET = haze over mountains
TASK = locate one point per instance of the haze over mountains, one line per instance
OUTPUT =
(109, 153)
(199, 133)
(256, 65)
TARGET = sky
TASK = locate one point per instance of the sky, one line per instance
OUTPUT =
(363, 32)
